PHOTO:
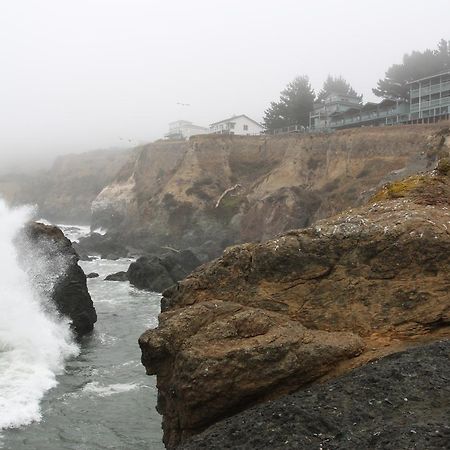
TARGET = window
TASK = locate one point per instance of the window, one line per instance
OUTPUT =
(245, 127)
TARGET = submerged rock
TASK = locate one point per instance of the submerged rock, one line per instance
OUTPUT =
(51, 261)
(267, 319)
(118, 276)
(92, 275)
(397, 402)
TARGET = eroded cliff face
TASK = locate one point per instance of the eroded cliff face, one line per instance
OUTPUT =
(266, 319)
(65, 192)
(230, 189)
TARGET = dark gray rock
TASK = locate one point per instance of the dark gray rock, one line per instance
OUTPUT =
(159, 273)
(119, 276)
(108, 247)
(401, 401)
(72, 299)
(180, 264)
(50, 259)
(81, 252)
(148, 273)
(92, 275)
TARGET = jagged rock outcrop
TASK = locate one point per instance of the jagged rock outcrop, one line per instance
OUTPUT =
(233, 189)
(51, 261)
(398, 402)
(266, 319)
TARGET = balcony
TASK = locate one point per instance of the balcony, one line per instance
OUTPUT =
(434, 89)
(416, 107)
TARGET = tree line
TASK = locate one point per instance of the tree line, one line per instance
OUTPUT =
(298, 98)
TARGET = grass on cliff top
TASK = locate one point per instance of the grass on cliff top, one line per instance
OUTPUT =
(420, 185)
(400, 189)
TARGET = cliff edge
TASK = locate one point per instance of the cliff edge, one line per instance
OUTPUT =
(232, 189)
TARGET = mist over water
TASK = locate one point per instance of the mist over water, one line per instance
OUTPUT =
(34, 341)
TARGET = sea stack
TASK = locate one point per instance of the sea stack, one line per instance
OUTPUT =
(50, 259)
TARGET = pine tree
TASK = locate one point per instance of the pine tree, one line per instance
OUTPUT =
(336, 85)
(414, 66)
(293, 108)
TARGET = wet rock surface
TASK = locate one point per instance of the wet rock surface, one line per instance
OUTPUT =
(159, 273)
(118, 276)
(401, 401)
(92, 275)
(267, 319)
(52, 263)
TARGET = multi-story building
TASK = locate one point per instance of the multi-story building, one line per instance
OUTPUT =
(429, 101)
(333, 104)
(183, 129)
(429, 97)
(387, 112)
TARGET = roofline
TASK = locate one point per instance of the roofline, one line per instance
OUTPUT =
(198, 126)
(180, 120)
(431, 76)
(236, 117)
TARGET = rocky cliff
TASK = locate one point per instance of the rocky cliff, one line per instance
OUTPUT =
(65, 192)
(52, 263)
(231, 189)
(266, 319)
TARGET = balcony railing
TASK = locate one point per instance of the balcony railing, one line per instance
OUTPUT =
(434, 89)
(365, 117)
(416, 107)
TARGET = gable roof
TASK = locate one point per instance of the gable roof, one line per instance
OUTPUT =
(236, 117)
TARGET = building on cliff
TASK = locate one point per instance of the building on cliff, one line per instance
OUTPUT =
(333, 104)
(429, 102)
(241, 125)
(183, 129)
(429, 97)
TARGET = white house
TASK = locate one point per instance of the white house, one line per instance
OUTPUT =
(241, 125)
(183, 129)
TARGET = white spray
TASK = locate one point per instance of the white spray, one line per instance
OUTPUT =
(34, 342)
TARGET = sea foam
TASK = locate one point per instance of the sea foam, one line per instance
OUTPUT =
(34, 341)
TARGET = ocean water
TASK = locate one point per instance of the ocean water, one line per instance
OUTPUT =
(58, 394)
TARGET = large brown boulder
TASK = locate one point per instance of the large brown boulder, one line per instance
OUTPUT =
(266, 319)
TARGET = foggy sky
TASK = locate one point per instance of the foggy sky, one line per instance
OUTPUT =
(79, 75)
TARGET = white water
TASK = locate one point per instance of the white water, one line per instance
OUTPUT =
(75, 232)
(33, 343)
